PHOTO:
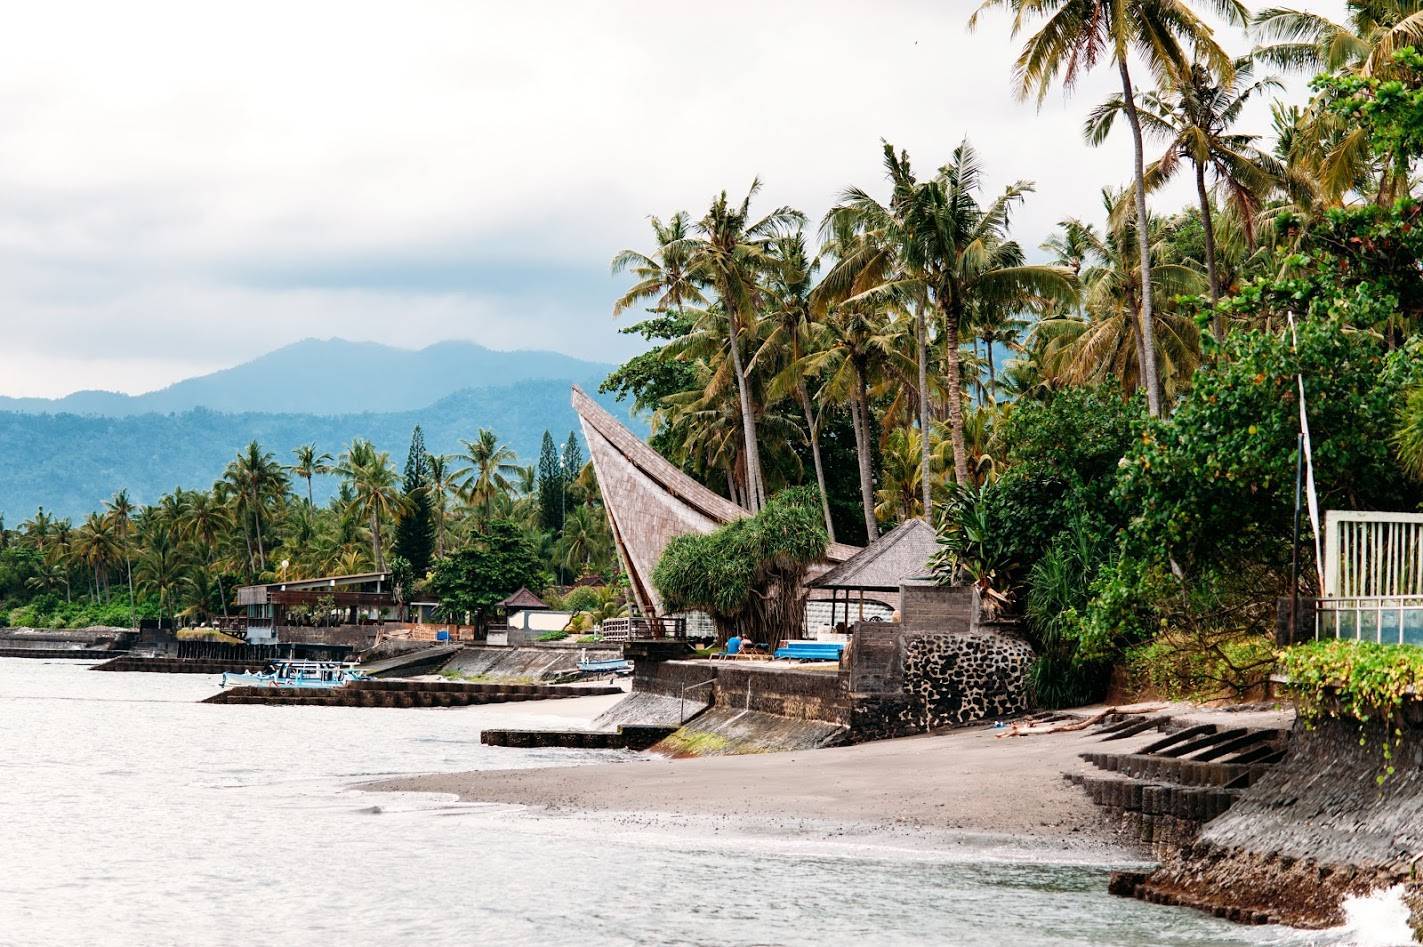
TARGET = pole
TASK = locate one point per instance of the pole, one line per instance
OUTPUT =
(1294, 554)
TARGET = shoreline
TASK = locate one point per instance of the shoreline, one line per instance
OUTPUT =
(965, 787)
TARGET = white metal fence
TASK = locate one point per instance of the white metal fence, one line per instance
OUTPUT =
(1373, 577)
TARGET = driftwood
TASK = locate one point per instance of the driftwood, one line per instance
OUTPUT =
(1017, 731)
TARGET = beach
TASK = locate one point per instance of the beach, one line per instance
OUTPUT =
(967, 782)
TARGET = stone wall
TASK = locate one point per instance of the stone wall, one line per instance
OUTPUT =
(1313, 830)
(929, 607)
(768, 689)
(910, 683)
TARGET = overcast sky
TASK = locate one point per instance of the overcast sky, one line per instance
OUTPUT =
(185, 185)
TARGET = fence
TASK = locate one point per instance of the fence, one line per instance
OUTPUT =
(634, 629)
(1373, 578)
(1378, 618)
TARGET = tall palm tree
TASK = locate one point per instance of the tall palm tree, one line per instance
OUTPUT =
(664, 278)
(1194, 117)
(120, 514)
(788, 293)
(204, 523)
(491, 471)
(308, 464)
(1075, 36)
(934, 242)
(377, 490)
(96, 546)
(256, 481)
(1107, 342)
(160, 567)
(729, 252)
(443, 483)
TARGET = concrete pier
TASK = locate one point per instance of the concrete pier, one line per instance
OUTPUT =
(385, 693)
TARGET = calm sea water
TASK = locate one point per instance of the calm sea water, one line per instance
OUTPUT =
(134, 815)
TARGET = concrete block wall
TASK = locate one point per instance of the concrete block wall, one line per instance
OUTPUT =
(930, 608)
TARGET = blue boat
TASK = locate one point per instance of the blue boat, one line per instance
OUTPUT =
(613, 666)
(306, 674)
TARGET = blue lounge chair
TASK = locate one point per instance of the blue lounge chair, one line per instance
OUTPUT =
(811, 650)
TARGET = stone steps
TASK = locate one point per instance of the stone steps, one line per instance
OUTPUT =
(1165, 791)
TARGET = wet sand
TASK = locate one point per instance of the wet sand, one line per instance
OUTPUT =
(963, 783)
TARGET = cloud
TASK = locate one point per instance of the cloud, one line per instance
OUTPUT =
(186, 185)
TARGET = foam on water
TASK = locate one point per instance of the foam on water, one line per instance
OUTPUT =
(1378, 919)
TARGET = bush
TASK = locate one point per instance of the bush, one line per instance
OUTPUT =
(552, 636)
(747, 574)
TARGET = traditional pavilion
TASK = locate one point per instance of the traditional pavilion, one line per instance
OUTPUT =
(649, 501)
(879, 569)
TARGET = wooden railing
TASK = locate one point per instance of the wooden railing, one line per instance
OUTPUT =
(636, 629)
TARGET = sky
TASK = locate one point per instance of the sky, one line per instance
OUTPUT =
(184, 186)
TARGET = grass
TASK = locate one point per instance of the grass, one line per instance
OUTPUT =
(450, 674)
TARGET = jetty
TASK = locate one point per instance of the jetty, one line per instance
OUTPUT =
(387, 693)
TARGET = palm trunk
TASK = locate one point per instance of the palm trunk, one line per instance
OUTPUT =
(308, 491)
(992, 375)
(860, 415)
(375, 541)
(755, 487)
(1150, 375)
(812, 426)
(955, 386)
(921, 341)
(132, 605)
(257, 528)
(1208, 229)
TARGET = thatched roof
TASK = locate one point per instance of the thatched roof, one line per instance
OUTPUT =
(649, 500)
(523, 599)
(899, 554)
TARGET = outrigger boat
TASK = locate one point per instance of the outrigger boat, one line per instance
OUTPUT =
(324, 674)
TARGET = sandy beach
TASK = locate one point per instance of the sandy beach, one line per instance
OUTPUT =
(966, 782)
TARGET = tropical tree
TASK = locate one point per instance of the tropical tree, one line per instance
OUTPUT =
(729, 252)
(933, 242)
(308, 464)
(415, 529)
(377, 495)
(205, 523)
(256, 482)
(1076, 35)
(96, 546)
(120, 514)
(1194, 117)
(489, 473)
(443, 482)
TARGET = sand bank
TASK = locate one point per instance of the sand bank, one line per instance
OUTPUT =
(967, 782)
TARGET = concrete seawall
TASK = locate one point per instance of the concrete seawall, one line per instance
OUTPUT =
(1312, 831)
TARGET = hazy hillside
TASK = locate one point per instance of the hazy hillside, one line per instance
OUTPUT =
(331, 376)
(70, 463)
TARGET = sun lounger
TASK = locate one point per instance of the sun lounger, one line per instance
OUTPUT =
(810, 650)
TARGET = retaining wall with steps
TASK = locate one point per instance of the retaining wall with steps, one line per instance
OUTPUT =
(626, 737)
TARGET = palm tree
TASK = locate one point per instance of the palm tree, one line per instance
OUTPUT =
(443, 482)
(788, 293)
(120, 514)
(664, 277)
(1194, 118)
(96, 546)
(308, 464)
(160, 567)
(934, 243)
(491, 470)
(256, 481)
(730, 253)
(1107, 342)
(377, 490)
(204, 523)
(1079, 33)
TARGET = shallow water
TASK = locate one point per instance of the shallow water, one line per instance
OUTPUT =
(134, 815)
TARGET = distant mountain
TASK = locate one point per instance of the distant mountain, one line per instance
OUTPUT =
(70, 463)
(331, 376)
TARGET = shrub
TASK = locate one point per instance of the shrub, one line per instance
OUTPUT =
(747, 574)
(552, 636)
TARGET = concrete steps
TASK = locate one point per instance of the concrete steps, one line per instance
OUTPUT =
(1165, 791)
(626, 737)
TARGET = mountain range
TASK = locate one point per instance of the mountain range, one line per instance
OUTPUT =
(70, 454)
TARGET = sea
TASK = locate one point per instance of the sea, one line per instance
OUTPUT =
(133, 814)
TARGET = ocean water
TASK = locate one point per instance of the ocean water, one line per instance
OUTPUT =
(134, 815)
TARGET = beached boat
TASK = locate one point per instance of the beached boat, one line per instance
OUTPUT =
(296, 674)
(614, 666)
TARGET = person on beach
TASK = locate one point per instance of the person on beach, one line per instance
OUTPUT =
(733, 645)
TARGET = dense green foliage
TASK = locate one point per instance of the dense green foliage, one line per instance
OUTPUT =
(496, 563)
(1356, 679)
(747, 575)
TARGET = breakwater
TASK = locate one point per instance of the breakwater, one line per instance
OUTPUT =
(384, 693)
(1312, 831)
(159, 664)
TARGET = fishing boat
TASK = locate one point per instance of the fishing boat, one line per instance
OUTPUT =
(614, 666)
(320, 674)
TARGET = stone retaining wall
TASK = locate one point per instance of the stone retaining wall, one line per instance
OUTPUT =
(1313, 830)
